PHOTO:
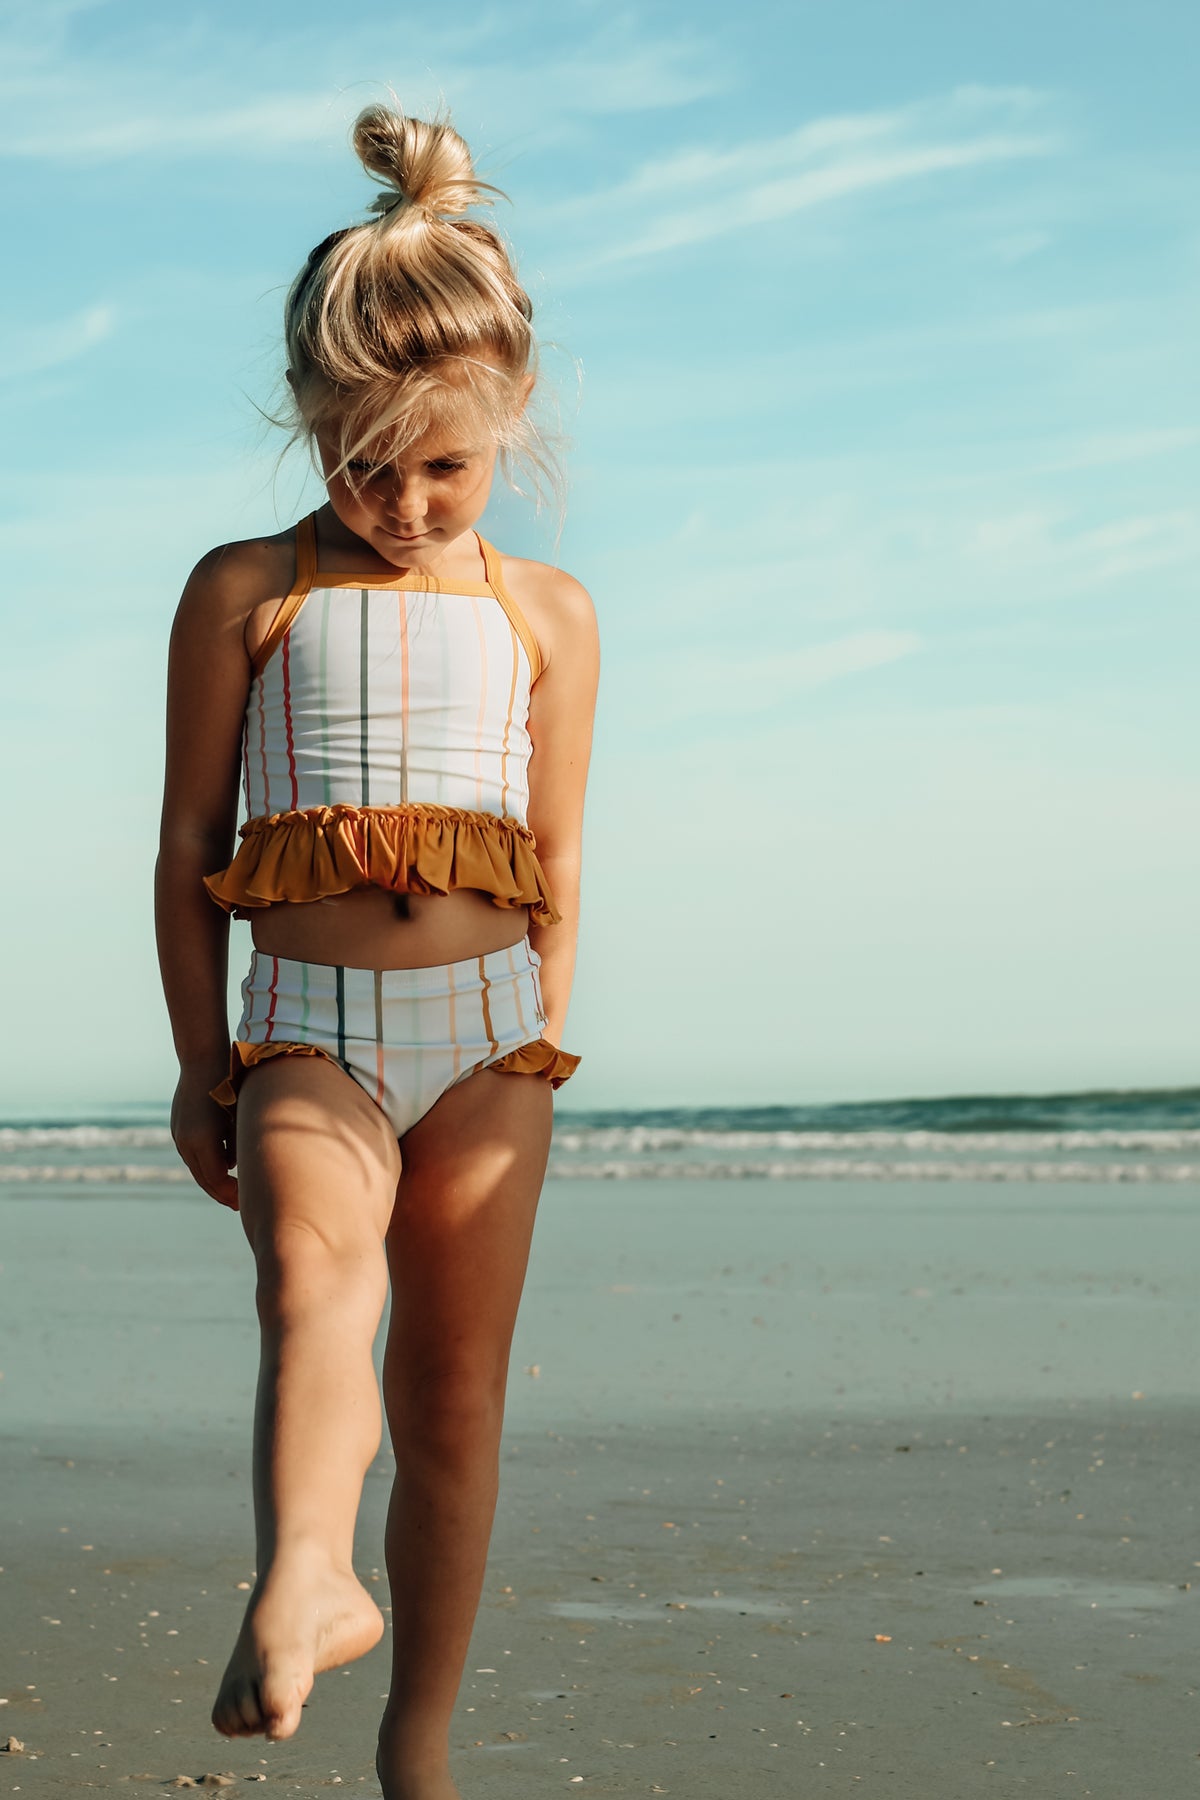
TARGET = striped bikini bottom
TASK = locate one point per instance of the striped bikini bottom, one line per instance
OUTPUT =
(405, 1035)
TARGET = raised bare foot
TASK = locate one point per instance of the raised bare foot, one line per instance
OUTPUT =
(300, 1620)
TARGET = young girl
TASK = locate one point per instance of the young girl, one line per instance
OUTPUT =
(409, 714)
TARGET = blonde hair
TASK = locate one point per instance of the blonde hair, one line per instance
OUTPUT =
(413, 320)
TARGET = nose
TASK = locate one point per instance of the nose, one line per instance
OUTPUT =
(406, 500)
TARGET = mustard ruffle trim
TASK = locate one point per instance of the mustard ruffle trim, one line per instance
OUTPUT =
(539, 1058)
(244, 1056)
(301, 856)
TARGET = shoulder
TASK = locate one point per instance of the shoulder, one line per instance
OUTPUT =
(558, 607)
(232, 594)
(243, 573)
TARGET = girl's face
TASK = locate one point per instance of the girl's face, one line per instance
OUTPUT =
(410, 507)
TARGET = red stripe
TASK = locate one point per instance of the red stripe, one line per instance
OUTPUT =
(274, 997)
(262, 739)
(287, 724)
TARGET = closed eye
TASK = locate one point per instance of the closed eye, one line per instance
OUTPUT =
(443, 466)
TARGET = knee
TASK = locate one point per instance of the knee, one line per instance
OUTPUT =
(302, 1271)
(449, 1411)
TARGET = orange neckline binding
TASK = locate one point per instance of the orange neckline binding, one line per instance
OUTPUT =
(310, 578)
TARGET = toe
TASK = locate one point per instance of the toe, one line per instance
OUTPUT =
(281, 1706)
(237, 1712)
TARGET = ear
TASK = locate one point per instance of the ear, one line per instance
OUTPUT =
(527, 382)
(291, 379)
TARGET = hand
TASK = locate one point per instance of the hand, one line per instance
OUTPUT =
(204, 1137)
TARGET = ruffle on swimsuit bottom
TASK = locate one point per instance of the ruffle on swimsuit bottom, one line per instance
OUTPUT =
(300, 856)
(539, 1058)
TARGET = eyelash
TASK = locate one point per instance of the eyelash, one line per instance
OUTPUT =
(439, 468)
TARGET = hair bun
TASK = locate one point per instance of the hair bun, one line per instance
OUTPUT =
(424, 165)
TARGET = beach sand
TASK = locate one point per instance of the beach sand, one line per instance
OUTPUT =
(818, 1489)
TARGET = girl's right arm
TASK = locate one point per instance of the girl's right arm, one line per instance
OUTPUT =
(208, 681)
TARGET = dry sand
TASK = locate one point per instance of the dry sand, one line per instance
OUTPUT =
(816, 1492)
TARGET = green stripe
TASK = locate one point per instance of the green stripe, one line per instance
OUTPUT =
(327, 600)
(378, 1008)
(362, 697)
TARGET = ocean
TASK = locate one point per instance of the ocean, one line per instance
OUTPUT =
(1118, 1136)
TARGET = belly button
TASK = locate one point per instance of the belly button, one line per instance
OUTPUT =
(401, 901)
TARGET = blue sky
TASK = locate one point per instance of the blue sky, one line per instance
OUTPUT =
(873, 332)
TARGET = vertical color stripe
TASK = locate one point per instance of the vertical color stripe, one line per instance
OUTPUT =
(323, 697)
(302, 1030)
(516, 989)
(487, 1011)
(287, 722)
(512, 694)
(273, 990)
(451, 997)
(420, 1013)
(340, 984)
(441, 794)
(403, 600)
(262, 738)
(364, 627)
(246, 1028)
(483, 663)
(378, 973)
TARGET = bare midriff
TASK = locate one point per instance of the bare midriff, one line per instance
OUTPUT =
(371, 928)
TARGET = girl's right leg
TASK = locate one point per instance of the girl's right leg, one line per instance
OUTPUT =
(318, 1166)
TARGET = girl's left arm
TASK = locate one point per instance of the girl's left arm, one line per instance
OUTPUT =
(561, 711)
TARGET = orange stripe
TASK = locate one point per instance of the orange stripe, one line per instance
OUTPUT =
(487, 1011)
(516, 987)
(516, 618)
(453, 1023)
(293, 600)
(504, 750)
(483, 672)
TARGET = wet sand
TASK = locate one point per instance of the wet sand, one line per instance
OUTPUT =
(817, 1490)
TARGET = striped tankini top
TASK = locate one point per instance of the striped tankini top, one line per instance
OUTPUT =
(386, 742)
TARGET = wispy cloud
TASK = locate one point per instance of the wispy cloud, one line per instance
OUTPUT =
(698, 194)
(267, 127)
(61, 103)
(1105, 449)
(29, 349)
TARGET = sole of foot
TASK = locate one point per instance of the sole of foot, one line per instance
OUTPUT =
(288, 1638)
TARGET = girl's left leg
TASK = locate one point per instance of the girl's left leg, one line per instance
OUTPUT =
(458, 1246)
(317, 1170)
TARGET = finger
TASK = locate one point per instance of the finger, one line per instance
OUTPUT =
(208, 1173)
(220, 1185)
